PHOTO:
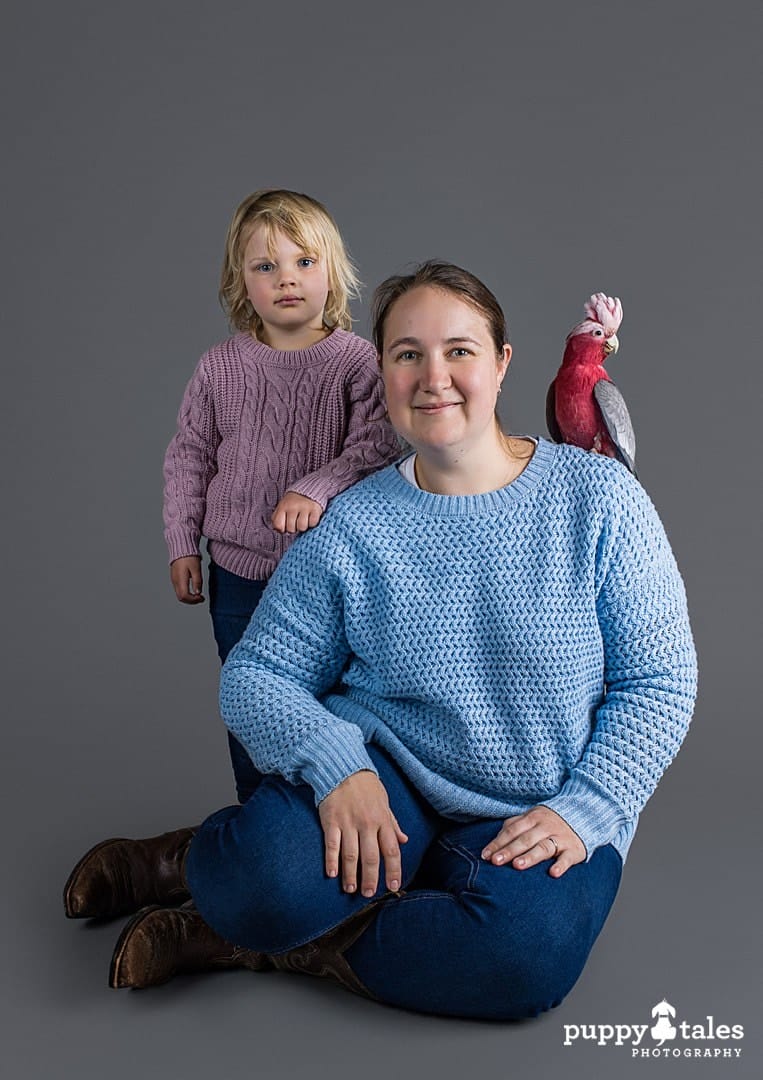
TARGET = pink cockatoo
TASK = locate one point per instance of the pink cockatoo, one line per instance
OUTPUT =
(583, 405)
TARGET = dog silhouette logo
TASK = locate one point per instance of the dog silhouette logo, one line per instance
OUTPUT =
(663, 1029)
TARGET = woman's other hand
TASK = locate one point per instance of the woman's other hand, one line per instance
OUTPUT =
(296, 513)
(185, 575)
(359, 827)
(531, 838)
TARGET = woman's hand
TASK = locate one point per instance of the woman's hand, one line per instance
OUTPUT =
(296, 513)
(530, 838)
(185, 575)
(358, 826)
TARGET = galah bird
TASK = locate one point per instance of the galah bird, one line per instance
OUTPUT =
(583, 405)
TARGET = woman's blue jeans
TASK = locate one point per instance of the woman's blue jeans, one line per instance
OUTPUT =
(466, 939)
(232, 600)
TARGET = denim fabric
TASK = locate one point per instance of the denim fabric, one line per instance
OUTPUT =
(232, 600)
(467, 938)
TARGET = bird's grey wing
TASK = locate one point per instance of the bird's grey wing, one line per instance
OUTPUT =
(617, 420)
(551, 424)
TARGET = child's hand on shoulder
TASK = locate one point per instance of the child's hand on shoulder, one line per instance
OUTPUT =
(185, 574)
(296, 513)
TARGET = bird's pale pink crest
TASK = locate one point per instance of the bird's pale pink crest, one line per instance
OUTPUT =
(606, 310)
(600, 310)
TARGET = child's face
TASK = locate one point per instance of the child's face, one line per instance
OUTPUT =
(441, 372)
(287, 287)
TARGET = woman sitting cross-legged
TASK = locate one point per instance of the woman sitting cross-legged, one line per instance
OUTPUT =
(461, 688)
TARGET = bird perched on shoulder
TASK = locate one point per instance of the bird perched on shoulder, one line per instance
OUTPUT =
(583, 405)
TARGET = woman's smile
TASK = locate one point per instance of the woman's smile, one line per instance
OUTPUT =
(437, 406)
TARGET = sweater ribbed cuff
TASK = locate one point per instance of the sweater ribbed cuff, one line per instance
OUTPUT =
(317, 488)
(181, 543)
(332, 754)
(589, 811)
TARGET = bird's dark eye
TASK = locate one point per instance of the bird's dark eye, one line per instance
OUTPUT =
(598, 333)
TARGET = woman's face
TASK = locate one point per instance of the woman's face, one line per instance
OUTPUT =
(441, 372)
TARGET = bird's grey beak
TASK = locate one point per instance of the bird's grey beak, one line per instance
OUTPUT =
(611, 344)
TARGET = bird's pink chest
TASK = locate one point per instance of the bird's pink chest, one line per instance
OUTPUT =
(576, 410)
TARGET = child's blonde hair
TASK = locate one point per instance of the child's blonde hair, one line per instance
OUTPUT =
(307, 223)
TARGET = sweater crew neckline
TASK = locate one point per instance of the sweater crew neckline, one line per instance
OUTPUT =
(426, 502)
(319, 353)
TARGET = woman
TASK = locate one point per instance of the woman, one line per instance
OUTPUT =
(462, 688)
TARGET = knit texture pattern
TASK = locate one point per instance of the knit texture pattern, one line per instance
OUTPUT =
(526, 646)
(257, 422)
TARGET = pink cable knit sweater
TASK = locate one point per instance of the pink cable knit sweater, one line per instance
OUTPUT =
(256, 422)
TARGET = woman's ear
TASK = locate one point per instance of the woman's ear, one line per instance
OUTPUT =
(503, 362)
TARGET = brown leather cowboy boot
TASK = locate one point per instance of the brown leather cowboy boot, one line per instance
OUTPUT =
(161, 942)
(117, 877)
(324, 957)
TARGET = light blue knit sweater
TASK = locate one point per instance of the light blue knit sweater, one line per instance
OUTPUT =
(526, 646)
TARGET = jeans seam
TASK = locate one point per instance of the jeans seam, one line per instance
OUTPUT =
(315, 936)
(410, 898)
(464, 853)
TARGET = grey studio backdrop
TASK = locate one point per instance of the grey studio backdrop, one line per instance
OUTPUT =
(555, 149)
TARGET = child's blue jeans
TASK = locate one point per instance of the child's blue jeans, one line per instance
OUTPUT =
(467, 938)
(232, 600)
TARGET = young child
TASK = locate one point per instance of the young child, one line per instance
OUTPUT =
(276, 420)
